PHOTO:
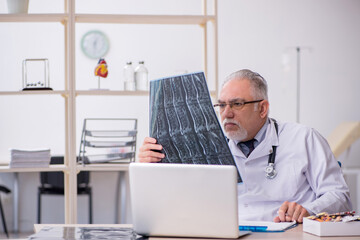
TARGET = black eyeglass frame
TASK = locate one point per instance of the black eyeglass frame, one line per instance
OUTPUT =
(222, 106)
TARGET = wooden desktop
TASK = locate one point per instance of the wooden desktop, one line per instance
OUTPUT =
(293, 233)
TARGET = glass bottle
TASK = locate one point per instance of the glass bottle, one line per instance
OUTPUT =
(129, 78)
(141, 77)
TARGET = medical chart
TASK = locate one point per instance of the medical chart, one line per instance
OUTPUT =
(183, 121)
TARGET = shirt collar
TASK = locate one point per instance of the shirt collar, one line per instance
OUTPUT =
(260, 136)
(261, 133)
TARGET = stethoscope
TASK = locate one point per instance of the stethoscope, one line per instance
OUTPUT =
(270, 171)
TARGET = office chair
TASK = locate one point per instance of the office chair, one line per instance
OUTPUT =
(53, 183)
(343, 137)
(4, 190)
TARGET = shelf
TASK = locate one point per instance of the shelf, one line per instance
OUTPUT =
(71, 21)
(143, 19)
(4, 93)
(51, 168)
(111, 93)
(118, 93)
(33, 17)
(84, 93)
(110, 18)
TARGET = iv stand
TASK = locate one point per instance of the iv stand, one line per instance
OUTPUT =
(298, 72)
(298, 77)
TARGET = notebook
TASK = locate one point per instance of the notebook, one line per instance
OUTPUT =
(184, 200)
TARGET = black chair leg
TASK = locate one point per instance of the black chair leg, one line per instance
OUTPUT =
(90, 207)
(3, 220)
(39, 207)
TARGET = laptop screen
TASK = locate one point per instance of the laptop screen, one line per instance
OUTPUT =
(186, 200)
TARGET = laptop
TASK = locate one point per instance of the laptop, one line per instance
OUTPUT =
(184, 200)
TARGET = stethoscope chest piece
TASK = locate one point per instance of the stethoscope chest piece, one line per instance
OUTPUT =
(270, 171)
(270, 168)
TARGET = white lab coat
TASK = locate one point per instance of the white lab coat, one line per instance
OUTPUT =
(307, 173)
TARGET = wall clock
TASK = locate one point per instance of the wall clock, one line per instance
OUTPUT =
(95, 44)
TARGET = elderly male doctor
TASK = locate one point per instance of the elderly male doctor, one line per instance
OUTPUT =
(301, 179)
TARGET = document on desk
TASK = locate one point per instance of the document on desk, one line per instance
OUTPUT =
(183, 121)
(264, 226)
(78, 233)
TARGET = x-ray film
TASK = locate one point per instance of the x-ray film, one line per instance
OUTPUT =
(183, 121)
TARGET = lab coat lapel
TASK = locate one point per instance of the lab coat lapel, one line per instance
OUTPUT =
(235, 150)
(265, 147)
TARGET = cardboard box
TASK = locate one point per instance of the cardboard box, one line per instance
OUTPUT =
(331, 228)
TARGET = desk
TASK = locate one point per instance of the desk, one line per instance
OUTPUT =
(6, 168)
(294, 233)
(121, 188)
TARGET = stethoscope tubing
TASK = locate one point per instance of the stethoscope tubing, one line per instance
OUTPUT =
(270, 171)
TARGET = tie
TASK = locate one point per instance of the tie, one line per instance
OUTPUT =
(248, 148)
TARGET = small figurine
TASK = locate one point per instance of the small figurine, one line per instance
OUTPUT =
(101, 70)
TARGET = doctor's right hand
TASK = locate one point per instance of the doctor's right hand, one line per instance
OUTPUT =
(147, 153)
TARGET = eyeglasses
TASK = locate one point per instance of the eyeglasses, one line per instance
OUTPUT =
(234, 105)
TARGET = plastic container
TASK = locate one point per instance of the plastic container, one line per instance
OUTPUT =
(141, 77)
(129, 77)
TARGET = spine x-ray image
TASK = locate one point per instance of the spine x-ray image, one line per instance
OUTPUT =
(183, 121)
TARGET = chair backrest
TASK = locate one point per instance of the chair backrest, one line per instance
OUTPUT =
(4, 189)
(56, 179)
(343, 136)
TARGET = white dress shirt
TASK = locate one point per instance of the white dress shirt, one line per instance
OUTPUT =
(307, 173)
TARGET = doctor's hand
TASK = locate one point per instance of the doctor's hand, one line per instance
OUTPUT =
(146, 153)
(290, 211)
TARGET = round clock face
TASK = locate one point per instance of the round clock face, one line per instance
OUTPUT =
(95, 44)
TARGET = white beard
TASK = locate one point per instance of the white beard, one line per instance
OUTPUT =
(237, 135)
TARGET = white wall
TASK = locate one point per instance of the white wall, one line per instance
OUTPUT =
(258, 34)
(254, 34)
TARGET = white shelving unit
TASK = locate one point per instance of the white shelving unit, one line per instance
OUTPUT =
(69, 19)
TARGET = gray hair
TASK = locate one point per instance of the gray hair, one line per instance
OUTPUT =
(258, 83)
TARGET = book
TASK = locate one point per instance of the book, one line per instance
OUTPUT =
(184, 122)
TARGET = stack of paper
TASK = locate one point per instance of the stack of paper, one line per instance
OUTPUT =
(30, 158)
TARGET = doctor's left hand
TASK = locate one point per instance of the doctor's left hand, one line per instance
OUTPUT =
(290, 211)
